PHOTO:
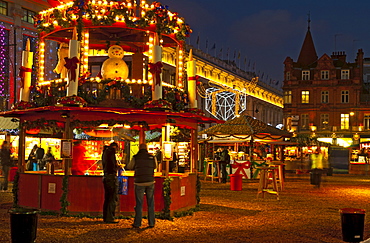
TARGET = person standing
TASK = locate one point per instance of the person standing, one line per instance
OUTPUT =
(40, 152)
(144, 165)
(78, 161)
(224, 161)
(32, 159)
(110, 181)
(6, 163)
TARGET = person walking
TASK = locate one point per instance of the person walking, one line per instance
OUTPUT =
(144, 165)
(6, 163)
(110, 181)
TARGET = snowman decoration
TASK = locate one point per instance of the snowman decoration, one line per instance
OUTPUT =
(62, 53)
(114, 67)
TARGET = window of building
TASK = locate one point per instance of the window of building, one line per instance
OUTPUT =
(325, 74)
(344, 74)
(305, 96)
(28, 16)
(288, 97)
(305, 75)
(345, 96)
(324, 121)
(344, 121)
(287, 77)
(367, 121)
(3, 8)
(325, 96)
(304, 121)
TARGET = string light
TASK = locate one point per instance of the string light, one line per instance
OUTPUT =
(2, 60)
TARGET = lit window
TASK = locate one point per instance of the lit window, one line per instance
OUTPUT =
(324, 120)
(288, 97)
(344, 121)
(305, 75)
(324, 96)
(325, 75)
(304, 121)
(28, 16)
(344, 74)
(287, 77)
(367, 121)
(345, 96)
(305, 97)
(3, 8)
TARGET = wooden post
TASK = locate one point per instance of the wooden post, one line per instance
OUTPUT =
(21, 148)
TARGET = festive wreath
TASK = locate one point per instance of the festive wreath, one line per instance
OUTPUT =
(160, 104)
(73, 100)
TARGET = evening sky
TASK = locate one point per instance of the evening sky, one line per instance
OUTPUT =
(265, 32)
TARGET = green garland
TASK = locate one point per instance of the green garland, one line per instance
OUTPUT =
(15, 190)
(63, 199)
(165, 22)
(42, 123)
(166, 212)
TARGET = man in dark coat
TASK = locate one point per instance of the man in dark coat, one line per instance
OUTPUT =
(224, 161)
(110, 182)
(144, 165)
(6, 164)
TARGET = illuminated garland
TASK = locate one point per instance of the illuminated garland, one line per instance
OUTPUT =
(104, 14)
(3, 60)
(48, 95)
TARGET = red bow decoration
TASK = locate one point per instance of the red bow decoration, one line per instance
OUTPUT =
(240, 167)
(71, 65)
(196, 78)
(156, 69)
(22, 74)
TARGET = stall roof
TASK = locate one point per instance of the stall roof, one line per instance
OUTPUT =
(155, 119)
(8, 123)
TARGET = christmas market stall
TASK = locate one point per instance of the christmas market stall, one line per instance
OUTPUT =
(251, 143)
(110, 83)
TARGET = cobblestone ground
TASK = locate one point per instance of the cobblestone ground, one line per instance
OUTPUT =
(304, 213)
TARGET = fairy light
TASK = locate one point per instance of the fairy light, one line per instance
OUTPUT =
(85, 52)
(41, 60)
(2, 60)
(180, 68)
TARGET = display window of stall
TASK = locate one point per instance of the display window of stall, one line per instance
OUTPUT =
(183, 149)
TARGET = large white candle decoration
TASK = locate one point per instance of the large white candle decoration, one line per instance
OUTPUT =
(192, 80)
(156, 68)
(25, 72)
(72, 64)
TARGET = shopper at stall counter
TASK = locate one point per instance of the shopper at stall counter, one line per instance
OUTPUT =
(6, 163)
(78, 160)
(224, 161)
(144, 165)
(32, 161)
(110, 168)
(39, 154)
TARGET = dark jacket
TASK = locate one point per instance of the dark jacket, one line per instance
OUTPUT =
(144, 165)
(5, 157)
(109, 161)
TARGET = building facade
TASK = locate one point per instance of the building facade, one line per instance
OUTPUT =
(326, 97)
(227, 90)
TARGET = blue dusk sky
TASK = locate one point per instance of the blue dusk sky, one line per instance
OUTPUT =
(265, 32)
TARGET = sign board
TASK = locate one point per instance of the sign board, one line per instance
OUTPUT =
(66, 151)
(51, 187)
(182, 191)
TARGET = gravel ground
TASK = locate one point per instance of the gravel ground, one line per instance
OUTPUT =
(303, 214)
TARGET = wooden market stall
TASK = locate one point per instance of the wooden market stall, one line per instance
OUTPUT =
(246, 139)
(109, 73)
